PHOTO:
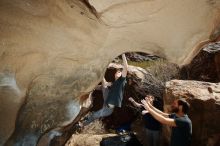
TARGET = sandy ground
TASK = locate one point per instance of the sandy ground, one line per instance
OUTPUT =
(93, 134)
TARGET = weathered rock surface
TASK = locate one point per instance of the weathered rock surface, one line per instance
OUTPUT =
(139, 57)
(205, 66)
(58, 50)
(204, 98)
(10, 99)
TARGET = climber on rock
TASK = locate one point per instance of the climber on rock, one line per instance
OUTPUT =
(112, 94)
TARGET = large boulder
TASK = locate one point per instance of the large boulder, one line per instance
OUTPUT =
(204, 98)
(205, 66)
(58, 50)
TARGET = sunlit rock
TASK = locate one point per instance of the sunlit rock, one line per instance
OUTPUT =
(58, 50)
(204, 98)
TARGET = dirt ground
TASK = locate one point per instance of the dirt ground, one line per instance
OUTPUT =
(94, 133)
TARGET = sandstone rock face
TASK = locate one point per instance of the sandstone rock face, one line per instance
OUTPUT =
(11, 100)
(204, 98)
(205, 66)
(58, 50)
(140, 57)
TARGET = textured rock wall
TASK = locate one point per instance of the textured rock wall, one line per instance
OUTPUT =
(204, 99)
(205, 66)
(56, 50)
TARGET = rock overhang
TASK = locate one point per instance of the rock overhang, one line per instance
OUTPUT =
(58, 50)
